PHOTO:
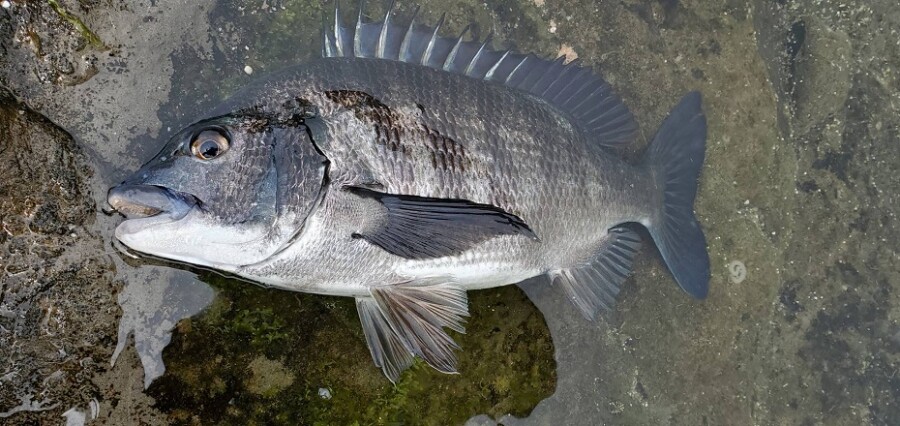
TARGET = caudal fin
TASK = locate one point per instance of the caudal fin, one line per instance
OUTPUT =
(676, 157)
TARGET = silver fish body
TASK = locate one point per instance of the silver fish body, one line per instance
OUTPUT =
(410, 129)
(404, 168)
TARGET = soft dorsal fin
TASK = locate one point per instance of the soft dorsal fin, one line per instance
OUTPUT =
(571, 88)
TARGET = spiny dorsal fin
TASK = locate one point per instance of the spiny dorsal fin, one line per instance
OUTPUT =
(573, 89)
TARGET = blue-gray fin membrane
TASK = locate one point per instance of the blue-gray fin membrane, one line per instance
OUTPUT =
(422, 227)
(676, 156)
(594, 285)
(571, 88)
(406, 320)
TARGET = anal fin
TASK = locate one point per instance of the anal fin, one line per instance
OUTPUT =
(400, 321)
(594, 285)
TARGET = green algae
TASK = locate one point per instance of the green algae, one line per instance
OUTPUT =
(260, 356)
(91, 37)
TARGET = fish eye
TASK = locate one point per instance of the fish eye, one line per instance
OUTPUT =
(209, 144)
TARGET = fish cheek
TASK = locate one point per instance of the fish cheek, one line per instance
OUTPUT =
(234, 183)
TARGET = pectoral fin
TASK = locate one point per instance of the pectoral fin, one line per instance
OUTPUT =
(420, 227)
(400, 321)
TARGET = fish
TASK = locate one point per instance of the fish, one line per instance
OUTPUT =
(404, 168)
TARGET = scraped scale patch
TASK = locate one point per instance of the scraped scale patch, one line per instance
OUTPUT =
(571, 88)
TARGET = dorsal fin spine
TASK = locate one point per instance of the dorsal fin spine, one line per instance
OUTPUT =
(426, 56)
(382, 35)
(338, 39)
(490, 73)
(477, 56)
(357, 33)
(528, 72)
(516, 69)
(404, 47)
(455, 49)
(326, 40)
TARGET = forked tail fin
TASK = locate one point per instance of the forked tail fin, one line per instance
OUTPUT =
(676, 156)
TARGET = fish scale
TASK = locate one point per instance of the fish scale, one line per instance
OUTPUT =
(527, 140)
(529, 161)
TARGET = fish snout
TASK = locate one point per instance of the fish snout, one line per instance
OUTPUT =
(140, 201)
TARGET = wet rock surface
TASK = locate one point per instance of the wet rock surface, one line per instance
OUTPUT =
(840, 299)
(799, 188)
(802, 101)
(57, 295)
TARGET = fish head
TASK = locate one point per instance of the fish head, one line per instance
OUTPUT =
(224, 192)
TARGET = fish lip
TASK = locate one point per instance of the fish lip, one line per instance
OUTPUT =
(138, 201)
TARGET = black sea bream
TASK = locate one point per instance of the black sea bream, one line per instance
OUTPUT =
(405, 168)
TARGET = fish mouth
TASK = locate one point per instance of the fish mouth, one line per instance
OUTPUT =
(145, 201)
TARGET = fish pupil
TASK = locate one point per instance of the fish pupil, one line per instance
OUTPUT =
(209, 148)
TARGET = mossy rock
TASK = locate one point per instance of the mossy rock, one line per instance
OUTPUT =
(261, 356)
